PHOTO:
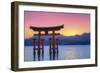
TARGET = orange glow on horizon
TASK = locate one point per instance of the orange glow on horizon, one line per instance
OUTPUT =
(28, 33)
(65, 32)
(71, 32)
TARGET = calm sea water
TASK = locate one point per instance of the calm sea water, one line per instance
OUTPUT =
(65, 52)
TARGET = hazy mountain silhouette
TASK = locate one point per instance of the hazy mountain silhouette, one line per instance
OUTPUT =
(83, 39)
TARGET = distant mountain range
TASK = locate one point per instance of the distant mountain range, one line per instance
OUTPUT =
(83, 39)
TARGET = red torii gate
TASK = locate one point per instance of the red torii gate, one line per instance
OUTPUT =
(53, 41)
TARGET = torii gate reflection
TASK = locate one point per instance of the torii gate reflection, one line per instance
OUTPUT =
(53, 42)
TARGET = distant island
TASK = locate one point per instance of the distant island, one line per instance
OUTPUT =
(83, 39)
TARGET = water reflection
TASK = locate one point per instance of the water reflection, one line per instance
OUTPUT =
(63, 53)
(53, 54)
(71, 53)
(38, 55)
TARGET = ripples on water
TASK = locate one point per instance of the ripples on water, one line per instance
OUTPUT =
(65, 52)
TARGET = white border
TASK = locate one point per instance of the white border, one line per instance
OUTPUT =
(23, 64)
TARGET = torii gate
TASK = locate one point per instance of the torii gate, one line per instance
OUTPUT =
(53, 41)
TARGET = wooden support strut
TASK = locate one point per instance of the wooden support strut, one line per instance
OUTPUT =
(57, 47)
(39, 40)
(34, 48)
(34, 44)
(42, 45)
(50, 43)
(53, 40)
(57, 43)
(42, 49)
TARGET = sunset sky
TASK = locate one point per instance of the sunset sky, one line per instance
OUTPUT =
(74, 23)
